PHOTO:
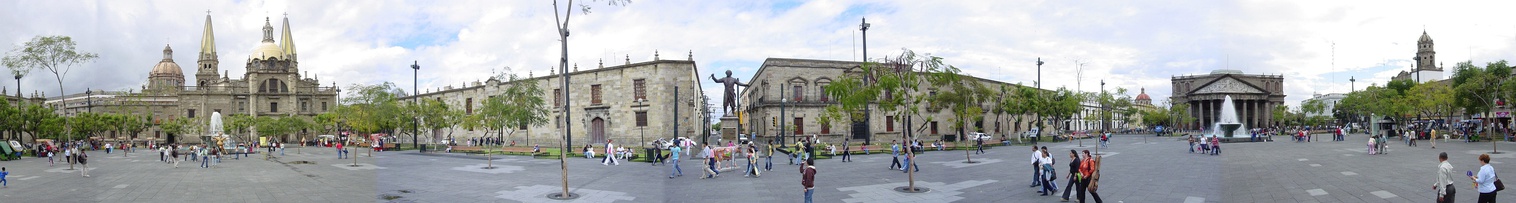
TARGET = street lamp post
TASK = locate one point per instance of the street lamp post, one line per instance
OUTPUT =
(416, 100)
(867, 113)
(19, 99)
(780, 128)
(1039, 73)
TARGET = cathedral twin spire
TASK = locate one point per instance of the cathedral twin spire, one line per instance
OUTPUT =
(208, 38)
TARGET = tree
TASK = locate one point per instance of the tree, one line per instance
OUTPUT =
(891, 84)
(561, 20)
(520, 105)
(1432, 99)
(965, 97)
(55, 54)
(1478, 89)
(436, 116)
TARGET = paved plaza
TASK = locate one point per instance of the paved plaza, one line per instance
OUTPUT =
(140, 177)
(1135, 170)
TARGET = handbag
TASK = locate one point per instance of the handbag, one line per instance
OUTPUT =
(1498, 185)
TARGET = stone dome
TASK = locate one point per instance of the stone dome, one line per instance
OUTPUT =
(167, 67)
(267, 50)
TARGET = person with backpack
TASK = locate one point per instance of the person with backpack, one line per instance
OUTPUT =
(83, 163)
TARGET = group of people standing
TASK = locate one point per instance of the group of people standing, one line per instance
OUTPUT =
(1486, 182)
(1083, 176)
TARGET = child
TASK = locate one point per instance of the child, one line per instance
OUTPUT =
(3, 182)
(49, 158)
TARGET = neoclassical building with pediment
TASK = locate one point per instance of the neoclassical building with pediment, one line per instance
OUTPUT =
(1255, 96)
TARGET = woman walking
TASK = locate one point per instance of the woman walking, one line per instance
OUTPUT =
(1090, 169)
(1485, 180)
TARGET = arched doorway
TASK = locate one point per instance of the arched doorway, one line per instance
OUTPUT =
(597, 130)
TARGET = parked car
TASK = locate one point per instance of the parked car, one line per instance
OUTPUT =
(979, 136)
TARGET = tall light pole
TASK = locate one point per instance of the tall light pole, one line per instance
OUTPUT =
(780, 128)
(1039, 73)
(867, 113)
(415, 100)
(19, 99)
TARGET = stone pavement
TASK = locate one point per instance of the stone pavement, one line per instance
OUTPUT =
(140, 177)
(1137, 168)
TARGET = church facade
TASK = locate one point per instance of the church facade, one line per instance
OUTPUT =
(271, 86)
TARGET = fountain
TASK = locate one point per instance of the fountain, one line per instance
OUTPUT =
(215, 135)
(1227, 124)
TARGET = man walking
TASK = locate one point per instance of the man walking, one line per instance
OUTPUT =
(1036, 167)
(610, 150)
(808, 178)
(1444, 184)
(341, 152)
(674, 154)
(769, 160)
(895, 155)
(979, 143)
(847, 154)
(83, 163)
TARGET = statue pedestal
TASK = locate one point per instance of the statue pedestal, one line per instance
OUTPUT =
(729, 127)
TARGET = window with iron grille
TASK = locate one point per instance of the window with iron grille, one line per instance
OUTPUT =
(641, 90)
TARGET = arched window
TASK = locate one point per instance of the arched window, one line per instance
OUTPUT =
(273, 85)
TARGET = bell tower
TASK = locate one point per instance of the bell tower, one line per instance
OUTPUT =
(207, 66)
(1426, 58)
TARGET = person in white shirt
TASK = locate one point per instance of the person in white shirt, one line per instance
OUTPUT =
(1036, 167)
(1444, 184)
(1485, 179)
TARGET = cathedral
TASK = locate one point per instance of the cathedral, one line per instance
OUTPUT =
(271, 85)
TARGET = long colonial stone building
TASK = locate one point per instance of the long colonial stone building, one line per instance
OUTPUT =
(795, 87)
(630, 103)
(270, 86)
(1254, 96)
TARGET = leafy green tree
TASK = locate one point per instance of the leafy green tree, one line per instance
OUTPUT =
(965, 97)
(894, 84)
(437, 116)
(1432, 100)
(1478, 88)
(519, 105)
(55, 54)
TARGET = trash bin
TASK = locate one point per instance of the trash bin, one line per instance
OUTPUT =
(652, 154)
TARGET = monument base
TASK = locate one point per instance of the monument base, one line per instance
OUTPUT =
(729, 127)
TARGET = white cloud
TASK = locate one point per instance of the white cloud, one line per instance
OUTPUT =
(1129, 44)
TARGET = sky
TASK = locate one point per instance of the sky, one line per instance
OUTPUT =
(1316, 45)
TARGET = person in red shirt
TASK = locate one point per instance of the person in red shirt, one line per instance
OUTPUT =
(808, 178)
(341, 153)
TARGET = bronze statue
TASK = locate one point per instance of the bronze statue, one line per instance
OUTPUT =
(729, 102)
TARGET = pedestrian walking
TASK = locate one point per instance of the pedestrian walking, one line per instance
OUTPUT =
(895, 155)
(1049, 174)
(1486, 180)
(1036, 167)
(49, 158)
(204, 160)
(674, 155)
(710, 167)
(808, 178)
(1090, 171)
(3, 182)
(979, 143)
(847, 154)
(768, 164)
(341, 153)
(83, 163)
(175, 156)
(609, 154)
(1192, 144)
(1410, 137)
(752, 161)
(1444, 184)
(1073, 166)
